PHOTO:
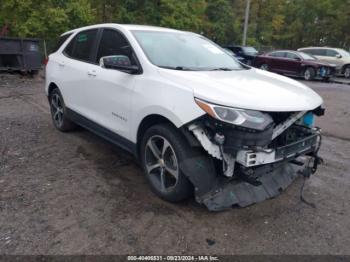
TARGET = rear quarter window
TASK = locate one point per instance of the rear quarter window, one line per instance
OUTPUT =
(330, 52)
(60, 42)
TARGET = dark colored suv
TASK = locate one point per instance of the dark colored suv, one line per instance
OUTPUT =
(247, 52)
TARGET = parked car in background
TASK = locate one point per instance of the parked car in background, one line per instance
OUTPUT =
(294, 63)
(336, 56)
(247, 52)
(239, 58)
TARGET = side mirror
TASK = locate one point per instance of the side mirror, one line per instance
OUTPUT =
(297, 59)
(338, 56)
(119, 62)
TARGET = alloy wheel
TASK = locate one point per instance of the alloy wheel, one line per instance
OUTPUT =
(307, 74)
(347, 72)
(264, 67)
(161, 163)
(57, 110)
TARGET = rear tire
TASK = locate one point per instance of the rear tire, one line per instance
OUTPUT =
(163, 150)
(347, 72)
(309, 74)
(59, 112)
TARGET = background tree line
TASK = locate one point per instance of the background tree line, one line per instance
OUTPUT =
(275, 23)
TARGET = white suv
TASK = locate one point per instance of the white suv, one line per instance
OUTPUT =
(196, 119)
(339, 57)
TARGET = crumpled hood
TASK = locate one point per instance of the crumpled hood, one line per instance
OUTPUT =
(248, 89)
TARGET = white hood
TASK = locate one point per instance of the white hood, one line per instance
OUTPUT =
(248, 89)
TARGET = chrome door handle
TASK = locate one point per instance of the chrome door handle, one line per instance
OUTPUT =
(61, 64)
(91, 73)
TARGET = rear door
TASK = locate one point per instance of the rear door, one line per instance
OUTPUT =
(292, 63)
(319, 53)
(75, 74)
(276, 62)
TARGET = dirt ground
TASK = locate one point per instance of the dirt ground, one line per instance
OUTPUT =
(74, 193)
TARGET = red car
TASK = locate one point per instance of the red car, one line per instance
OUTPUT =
(294, 63)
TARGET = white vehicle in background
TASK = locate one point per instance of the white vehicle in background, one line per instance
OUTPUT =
(339, 57)
(196, 119)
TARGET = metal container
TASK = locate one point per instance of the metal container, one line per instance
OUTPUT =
(20, 54)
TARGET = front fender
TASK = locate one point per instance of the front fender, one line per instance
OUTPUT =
(156, 97)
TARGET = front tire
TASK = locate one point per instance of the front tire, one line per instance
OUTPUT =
(309, 74)
(264, 67)
(59, 112)
(163, 150)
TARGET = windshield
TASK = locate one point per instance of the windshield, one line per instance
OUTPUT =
(343, 52)
(249, 49)
(307, 56)
(184, 51)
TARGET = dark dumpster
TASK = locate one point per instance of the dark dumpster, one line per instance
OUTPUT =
(20, 54)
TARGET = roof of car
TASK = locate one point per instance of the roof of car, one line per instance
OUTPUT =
(319, 47)
(283, 50)
(240, 46)
(125, 26)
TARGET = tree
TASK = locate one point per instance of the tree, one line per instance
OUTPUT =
(276, 23)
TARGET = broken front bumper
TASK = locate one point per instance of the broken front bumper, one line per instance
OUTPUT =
(249, 158)
(274, 168)
(238, 193)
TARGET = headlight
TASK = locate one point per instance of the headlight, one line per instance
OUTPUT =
(240, 117)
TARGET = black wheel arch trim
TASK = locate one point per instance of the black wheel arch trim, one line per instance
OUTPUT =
(344, 67)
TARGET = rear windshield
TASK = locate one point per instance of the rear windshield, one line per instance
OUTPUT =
(60, 41)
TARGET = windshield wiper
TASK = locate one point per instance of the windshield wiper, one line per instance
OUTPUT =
(177, 68)
(222, 69)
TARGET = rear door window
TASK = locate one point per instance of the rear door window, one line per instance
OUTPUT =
(319, 52)
(82, 46)
(277, 54)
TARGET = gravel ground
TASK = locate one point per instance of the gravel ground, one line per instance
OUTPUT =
(74, 193)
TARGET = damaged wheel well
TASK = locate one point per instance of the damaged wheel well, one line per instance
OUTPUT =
(146, 123)
(52, 86)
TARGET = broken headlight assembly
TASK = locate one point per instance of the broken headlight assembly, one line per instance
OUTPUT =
(250, 119)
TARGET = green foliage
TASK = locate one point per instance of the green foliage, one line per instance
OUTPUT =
(277, 23)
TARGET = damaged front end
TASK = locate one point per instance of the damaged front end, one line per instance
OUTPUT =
(256, 155)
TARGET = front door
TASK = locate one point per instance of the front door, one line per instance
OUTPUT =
(109, 91)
